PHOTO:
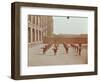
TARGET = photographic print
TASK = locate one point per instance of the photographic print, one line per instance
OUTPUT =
(53, 40)
(57, 40)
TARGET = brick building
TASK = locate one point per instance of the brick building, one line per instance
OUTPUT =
(38, 28)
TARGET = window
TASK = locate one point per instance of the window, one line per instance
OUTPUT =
(29, 18)
(33, 33)
(39, 35)
(29, 34)
(36, 35)
(33, 19)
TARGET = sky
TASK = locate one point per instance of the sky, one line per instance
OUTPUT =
(73, 25)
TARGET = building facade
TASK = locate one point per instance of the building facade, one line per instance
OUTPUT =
(39, 27)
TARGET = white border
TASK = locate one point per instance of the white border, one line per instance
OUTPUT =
(25, 70)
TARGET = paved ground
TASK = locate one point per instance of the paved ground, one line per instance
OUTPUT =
(37, 58)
